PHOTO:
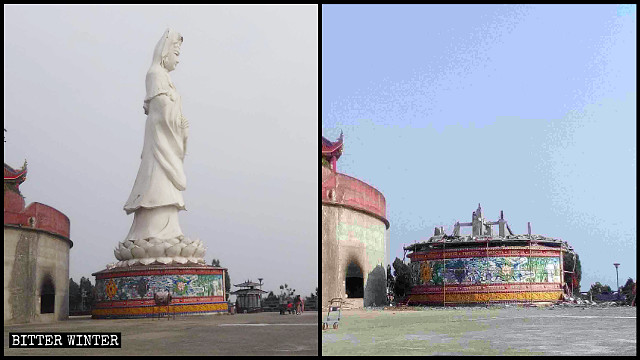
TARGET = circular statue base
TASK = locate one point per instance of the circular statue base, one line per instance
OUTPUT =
(129, 292)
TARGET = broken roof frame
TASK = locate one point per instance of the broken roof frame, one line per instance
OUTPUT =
(482, 232)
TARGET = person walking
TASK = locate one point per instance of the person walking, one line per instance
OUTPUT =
(297, 302)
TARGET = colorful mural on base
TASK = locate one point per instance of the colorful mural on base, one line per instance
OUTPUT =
(141, 287)
(487, 270)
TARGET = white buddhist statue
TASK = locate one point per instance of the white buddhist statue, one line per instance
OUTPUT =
(156, 198)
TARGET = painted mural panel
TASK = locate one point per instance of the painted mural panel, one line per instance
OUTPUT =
(491, 270)
(371, 234)
(139, 287)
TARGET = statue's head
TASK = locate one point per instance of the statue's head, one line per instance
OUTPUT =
(168, 49)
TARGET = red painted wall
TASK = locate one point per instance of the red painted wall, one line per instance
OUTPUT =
(46, 218)
(346, 190)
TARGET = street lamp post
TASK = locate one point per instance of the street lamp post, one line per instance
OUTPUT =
(617, 284)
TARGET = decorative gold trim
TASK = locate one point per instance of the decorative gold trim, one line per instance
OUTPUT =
(486, 297)
(151, 310)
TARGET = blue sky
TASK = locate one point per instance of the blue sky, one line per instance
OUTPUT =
(526, 109)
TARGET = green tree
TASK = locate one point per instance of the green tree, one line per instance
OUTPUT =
(390, 279)
(571, 262)
(598, 288)
(74, 295)
(403, 281)
(286, 292)
(227, 278)
(87, 294)
(627, 290)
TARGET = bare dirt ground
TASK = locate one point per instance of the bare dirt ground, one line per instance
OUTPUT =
(484, 331)
(241, 334)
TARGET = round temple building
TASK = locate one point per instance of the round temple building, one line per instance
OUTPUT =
(36, 257)
(354, 235)
(485, 268)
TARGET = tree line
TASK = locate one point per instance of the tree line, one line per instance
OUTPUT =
(81, 296)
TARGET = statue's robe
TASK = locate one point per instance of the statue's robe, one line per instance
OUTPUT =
(156, 196)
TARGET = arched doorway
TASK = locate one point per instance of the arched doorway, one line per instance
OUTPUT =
(47, 296)
(354, 281)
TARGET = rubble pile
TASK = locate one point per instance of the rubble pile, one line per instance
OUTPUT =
(578, 302)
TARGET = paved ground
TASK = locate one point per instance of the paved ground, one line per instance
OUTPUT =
(241, 334)
(484, 331)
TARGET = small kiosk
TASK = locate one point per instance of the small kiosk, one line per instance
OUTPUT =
(248, 298)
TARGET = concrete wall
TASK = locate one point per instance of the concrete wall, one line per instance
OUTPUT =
(351, 236)
(30, 256)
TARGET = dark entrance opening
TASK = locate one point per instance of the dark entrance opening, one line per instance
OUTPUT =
(354, 281)
(47, 296)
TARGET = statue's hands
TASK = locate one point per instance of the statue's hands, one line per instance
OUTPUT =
(184, 123)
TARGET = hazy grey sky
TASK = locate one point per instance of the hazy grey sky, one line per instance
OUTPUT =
(248, 77)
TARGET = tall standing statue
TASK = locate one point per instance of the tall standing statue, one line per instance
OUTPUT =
(156, 198)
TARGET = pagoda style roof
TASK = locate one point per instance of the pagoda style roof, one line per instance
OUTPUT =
(247, 284)
(248, 292)
(13, 175)
(330, 148)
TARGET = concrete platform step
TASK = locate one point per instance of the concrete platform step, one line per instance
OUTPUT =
(347, 304)
(353, 303)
